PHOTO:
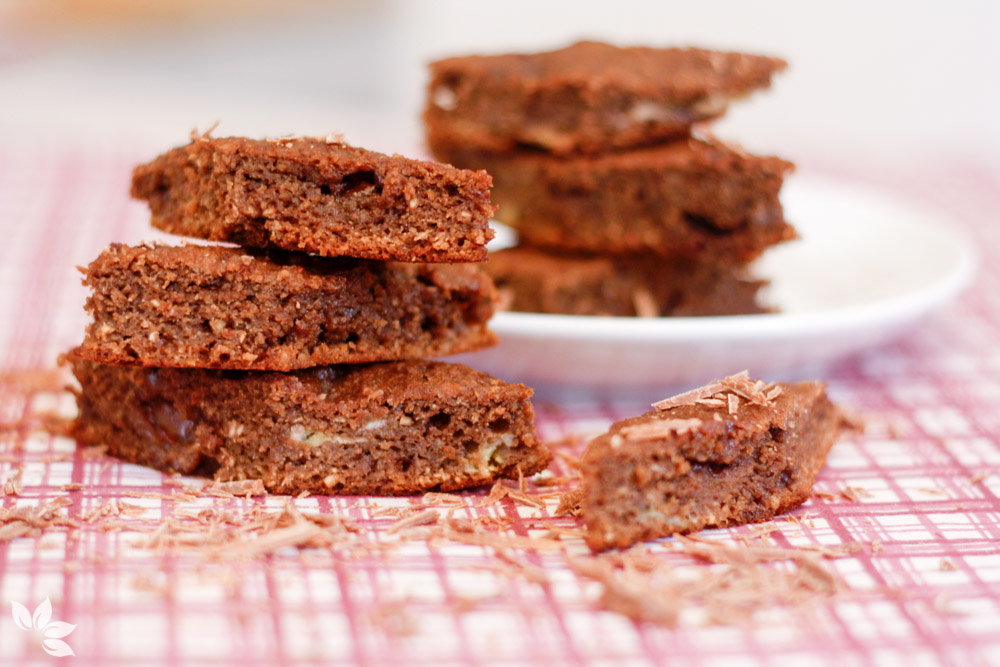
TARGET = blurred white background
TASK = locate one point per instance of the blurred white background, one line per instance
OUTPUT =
(893, 84)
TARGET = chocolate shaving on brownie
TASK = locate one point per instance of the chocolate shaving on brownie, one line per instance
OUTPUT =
(732, 386)
(711, 402)
(690, 397)
(655, 430)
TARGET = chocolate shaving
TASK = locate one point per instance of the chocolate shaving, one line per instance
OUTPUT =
(980, 476)
(438, 498)
(739, 582)
(690, 397)
(422, 519)
(14, 484)
(244, 488)
(644, 303)
(711, 402)
(660, 428)
(501, 491)
(532, 573)
(757, 392)
(854, 493)
(33, 520)
(569, 503)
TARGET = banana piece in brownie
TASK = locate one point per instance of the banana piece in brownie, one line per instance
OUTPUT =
(688, 198)
(732, 452)
(540, 281)
(220, 307)
(378, 429)
(318, 196)
(588, 97)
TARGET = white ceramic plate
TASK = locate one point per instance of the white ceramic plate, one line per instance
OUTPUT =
(864, 270)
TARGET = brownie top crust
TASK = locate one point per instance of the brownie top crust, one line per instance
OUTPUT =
(683, 75)
(587, 98)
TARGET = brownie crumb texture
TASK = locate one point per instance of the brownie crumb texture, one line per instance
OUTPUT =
(221, 307)
(374, 429)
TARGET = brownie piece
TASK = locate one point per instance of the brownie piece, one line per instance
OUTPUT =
(220, 307)
(318, 196)
(378, 429)
(589, 97)
(693, 198)
(732, 452)
(539, 281)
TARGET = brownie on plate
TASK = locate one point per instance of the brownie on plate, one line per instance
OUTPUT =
(691, 198)
(221, 307)
(378, 429)
(732, 452)
(540, 281)
(318, 196)
(586, 98)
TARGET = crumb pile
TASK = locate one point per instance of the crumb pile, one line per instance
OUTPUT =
(299, 359)
(620, 209)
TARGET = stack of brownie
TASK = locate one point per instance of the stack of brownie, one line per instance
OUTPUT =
(619, 209)
(298, 358)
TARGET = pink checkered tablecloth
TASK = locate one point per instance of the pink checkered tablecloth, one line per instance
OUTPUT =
(916, 498)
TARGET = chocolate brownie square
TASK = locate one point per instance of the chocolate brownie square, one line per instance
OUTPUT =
(540, 281)
(589, 97)
(694, 198)
(377, 429)
(318, 196)
(221, 307)
(732, 452)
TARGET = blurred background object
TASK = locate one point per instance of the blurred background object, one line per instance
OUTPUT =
(892, 84)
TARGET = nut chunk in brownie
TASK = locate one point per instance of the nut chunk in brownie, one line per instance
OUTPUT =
(732, 452)
(378, 429)
(538, 281)
(220, 307)
(318, 196)
(692, 198)
(588, 97)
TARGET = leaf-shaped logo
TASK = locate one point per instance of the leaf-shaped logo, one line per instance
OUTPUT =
(41, 620)
(58, 629)
(43, 614)
(57, 648)
(22, 617)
